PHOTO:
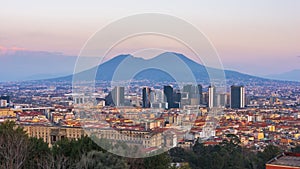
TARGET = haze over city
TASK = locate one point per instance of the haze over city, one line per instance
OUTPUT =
(264, 33)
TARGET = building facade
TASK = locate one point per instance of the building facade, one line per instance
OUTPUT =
(237, 100)
(146, 97)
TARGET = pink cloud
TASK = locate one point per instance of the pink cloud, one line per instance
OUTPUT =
(9, 50)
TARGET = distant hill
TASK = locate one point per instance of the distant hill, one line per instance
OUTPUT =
(293, 75)
(35, 65)
(130, 63)
(32, 65)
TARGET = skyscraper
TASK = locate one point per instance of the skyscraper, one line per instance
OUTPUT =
(5, 97)
(177, 99)
(157, 96)
(200, 94)
(4, 101)
(187, 89)
(193, 92)
(186, 95)
(146, 97)
(118, 96)
(168, 92)
(237, 97)
(223, 99)
(158, 99)
(212, 97)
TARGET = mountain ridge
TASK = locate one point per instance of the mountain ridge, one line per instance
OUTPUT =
(106, 70)
(290, 75)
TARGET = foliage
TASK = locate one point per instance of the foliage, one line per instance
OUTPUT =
(296, 149)
(161, 161)
(17, 151)
(101, 160)
(14, 146)
(228, 155)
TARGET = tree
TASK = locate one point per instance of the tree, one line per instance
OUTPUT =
(178, 154)
(39, 154)
(14, 146)
(296, 149)
(269, 152)
(101, 160)
(217, 161)
(161, 161)
(135, 163)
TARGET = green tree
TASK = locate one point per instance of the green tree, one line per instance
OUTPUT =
(269, 152)
(39, 154)
(178, 154)
(296, 149)
(67, 152)
(14, 146)
(101, 160)
(161, 161)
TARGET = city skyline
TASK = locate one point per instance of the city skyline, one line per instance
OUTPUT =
(150, 84)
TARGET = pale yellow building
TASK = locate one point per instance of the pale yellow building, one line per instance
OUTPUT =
(6, 112)
(52, 134)
(145, 139)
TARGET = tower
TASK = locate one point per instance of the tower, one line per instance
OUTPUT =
(4, 101)
(200, 94)
(177, 99)
(237, 99)
(146, 97)
(212, 97)
(168, 92)
(118, 96)
(193, 93)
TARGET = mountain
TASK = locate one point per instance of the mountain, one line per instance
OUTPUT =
(164, 67)
(293, 75)
(31, 65)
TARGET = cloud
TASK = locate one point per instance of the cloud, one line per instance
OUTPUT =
(9, 50)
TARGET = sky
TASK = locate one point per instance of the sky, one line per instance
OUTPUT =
(258, 37)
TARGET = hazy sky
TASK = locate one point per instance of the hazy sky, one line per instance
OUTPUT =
(254, 36)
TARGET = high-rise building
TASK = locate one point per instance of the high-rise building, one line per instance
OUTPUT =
(168, 92)
(157, 99)
(177, 99)
(222, 99)
(193, 92)
(4, 101)
(237, 97)
(146, 97)
(187, 89)
(205, 98)
(157, 96)
(212, 97)
(118, 97)
(5, 97)
(177, 96)
(185, 95)
(200, 94)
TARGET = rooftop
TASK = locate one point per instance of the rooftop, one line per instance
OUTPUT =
(286, 159)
